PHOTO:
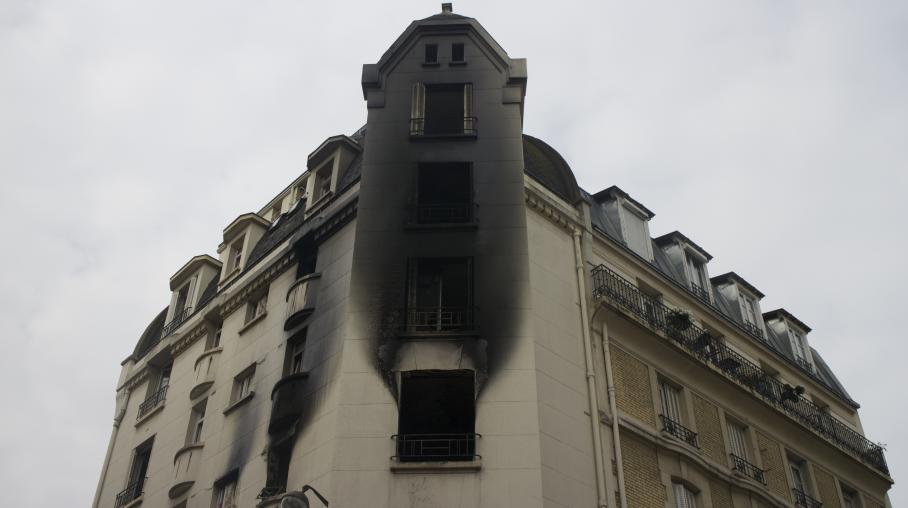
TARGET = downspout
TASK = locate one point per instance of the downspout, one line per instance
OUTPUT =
(122, 401)
(590, 373)
(613, 409)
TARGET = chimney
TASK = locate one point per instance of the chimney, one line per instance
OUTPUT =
(447, 8)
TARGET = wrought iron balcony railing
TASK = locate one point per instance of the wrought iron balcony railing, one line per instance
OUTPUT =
(435, 447)
(439, 319)
(805, 364)
(155, 400)
(130, 493)
(625, 297)
(418, 128)
(699, 292)
(802, 499)
(176, 321)
(754, 330)
(679, 431)
(741, 465)
(444, 213)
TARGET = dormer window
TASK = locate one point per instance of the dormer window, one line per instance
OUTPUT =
(236, 255)
(444, 109)
(322, 182)
(799, 348)
(749, 314)
(699, 282)
(635, 232)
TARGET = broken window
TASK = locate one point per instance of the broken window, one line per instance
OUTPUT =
(440, 295)
(442, 109)
(437, 416)
(444, 193)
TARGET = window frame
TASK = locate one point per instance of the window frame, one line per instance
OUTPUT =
(242, 385)
(223, 486)
(419, 114)
(684, 495)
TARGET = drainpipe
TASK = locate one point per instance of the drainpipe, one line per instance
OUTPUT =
(590, 374)
(122, 401)
(613, 409)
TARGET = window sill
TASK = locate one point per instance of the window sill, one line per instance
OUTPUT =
(192, 446)
(441, 226)
(230, 275)
(461, 63)
(252, 322)
(135, 502)
(470, 466)
(318, 203)
(147, 416)
(232, 407)
(440, 334)
(452, 136)
(431, 64)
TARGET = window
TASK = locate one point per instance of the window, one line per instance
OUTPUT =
(799, 481)
(442, 109)
(749, 310)
(256, 307)
(141, 456)
(431, 54)
(737, 440)
(275, 212)
(196, 422)
(698, 279)
(323, 181)
(440, 294)
(181, 301)
(672, 413)
(214, 338)
(300, 193)
(457, 52)
(242, 385)
(635, 232)
(684, 496)
(225, 492)
(437, 416)
(296, 352)
(236, 255)
(850, 498)
(799, 347)
(444, 193)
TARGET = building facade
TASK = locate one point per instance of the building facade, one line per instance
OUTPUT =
(435, 314)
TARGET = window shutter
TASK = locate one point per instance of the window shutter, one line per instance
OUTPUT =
(418, 109)
(736, 440)
(468, 108)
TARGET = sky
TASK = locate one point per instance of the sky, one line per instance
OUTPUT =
(773, 134)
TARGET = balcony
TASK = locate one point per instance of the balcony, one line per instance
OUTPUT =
(206, 366)
(132, 492)
(301, 299)
(287, 402)
(802, 499)
(453, 128)
(625, 297)
(176, 321)
(699, 292)
(679, 431)
(805, 364)
(185, 469)
(753, 330)
(153, 402)
(740, 465)
(435, 447)
(438, 320)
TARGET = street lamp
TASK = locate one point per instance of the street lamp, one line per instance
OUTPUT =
(297, 499)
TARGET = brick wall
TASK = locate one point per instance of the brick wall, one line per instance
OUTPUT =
(641, 474)
(709, 428)
(633, 393)
(771, 453)
(721, 494)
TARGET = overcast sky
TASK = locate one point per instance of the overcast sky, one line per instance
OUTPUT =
(771, 133)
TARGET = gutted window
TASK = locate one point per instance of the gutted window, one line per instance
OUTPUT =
(440, 294)
(196, 422)
(457, 52)
(442, 109)
(431, 54)
(138, 470)
(225, 492)
(444, 193)
(278, 469)
(437, 416)
(296, 352)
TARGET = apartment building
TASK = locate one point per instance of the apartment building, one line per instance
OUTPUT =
(435, 314)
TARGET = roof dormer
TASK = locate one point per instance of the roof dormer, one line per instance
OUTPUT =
(792, 332)
(743, 301)
(631, 217)
(188, 284)
(690, 260)
(324, 166)
(240, 238)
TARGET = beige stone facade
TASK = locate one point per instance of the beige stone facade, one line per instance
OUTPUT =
(499, 339)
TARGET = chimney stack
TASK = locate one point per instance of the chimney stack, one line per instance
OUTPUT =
(447, 8)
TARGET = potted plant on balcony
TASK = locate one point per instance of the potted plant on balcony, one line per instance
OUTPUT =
(678, 322)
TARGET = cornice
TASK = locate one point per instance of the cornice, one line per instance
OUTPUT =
(257, 283)
(551, 210)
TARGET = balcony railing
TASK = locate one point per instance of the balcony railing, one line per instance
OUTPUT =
(435, 447)
(155, 400)
(679, 431)
(439, 319)
(754, 330)
(624, 296)
(418, 128)
(804, 364)
(130, 493)
(699, 292)
(176, 321)
(301, 299)
(749, 470)
(444, 213)
(802, 499)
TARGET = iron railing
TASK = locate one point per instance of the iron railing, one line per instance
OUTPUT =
(754, 330)
(627, 298)
(439, 319)
(443, 213)
(804, 364)
(741, 465)
(155, 400)
(679, 431)
(435, 447)
(699, 292)
(418, 128)
(802, 499)
(176, 321)
(130, 493)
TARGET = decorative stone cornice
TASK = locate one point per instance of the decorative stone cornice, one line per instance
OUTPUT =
(254, 285)
(189, 338)
(551, 211)
(334, 223)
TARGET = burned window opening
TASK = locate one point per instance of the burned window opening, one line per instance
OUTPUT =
(440, 295)
(431, 54)
(437, 416)
(457, 52)
(444, 193)
(278, 470)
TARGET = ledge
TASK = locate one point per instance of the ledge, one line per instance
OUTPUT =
(440, 335)
(441, 226)
(232, 407)
(252, 323)
(188, 448)
(436, 137)
(206, 354)
(462, 63)
(467, 466)
(135, 502)
(149, 414)
(431, 64)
